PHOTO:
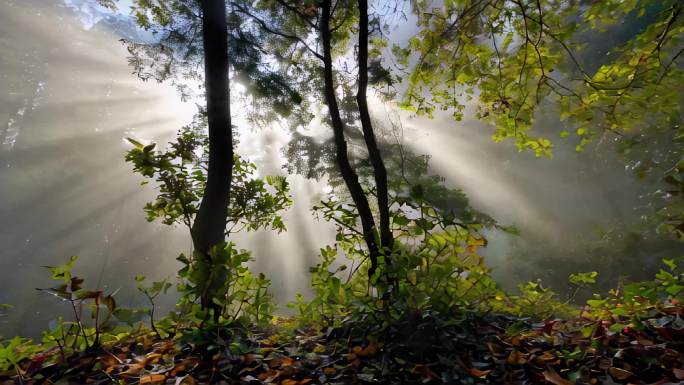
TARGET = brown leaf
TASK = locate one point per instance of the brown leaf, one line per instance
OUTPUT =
(151, 358)
(76, 283)
(619, 374)
(269, 376)
(479, 373)
(111, 303)
(250, 368)
(426, 372)
(551, 376)
(679, 373)
(516, 358)
(329, 371)
(280, 362)
(133, 370)
(188, 380)
(153, 378)
(249, 358)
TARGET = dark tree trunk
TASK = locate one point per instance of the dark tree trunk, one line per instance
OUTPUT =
(350, 177)
(210, 223)
(379, 170)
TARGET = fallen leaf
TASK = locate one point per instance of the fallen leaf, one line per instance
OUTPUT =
(280, 362)
(679, 373)
(516, 358)
(269, 375)
(329, 371)
(426, 372)
(153, 378)
(187, 380)
(551, 376)
(249, 358)
(479, 373)
(619, 374)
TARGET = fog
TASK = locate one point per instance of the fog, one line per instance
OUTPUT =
(68, 100)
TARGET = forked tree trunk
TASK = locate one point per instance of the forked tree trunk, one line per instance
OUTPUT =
(379, 170)
(350, 177)
(210, 223)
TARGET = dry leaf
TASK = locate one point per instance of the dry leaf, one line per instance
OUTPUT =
(551, 376)
(516, 358)
(679, 373)
(619, 374)
(479, 373)
(153, 378)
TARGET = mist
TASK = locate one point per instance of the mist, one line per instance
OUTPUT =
(68, 100)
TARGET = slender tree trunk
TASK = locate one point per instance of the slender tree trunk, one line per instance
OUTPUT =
(210, 223)
(379, 170)
(350, 177)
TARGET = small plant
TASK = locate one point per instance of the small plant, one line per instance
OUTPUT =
(103, 306)
(219, 280)
(581, 281)
(434, 269)
(151, 293)
(636, 300)
(14, 351)
(240, 294)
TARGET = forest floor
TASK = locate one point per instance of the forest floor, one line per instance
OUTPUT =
(418, 350)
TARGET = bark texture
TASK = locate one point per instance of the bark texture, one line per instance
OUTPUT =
(379, 170)
(350, 177)
(210, 223)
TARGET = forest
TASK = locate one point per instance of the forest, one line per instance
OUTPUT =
(498, 192)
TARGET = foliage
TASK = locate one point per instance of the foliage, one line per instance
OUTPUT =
(632, 302)
(151, 293)
(240, 294)
(180, 173)
(580, 281)
(103, 306)
(435, 270)
(254, 203)
(435, 297)
(509, 53)
(16, 350)
(176, 54)
(518, 58)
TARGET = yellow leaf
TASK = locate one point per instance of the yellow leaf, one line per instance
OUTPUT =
(153, 378)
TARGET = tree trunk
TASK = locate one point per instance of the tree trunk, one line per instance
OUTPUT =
(350, 177)
(379, 170)
(210, 223)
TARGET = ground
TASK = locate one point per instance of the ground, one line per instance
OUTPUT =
(469, 349)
